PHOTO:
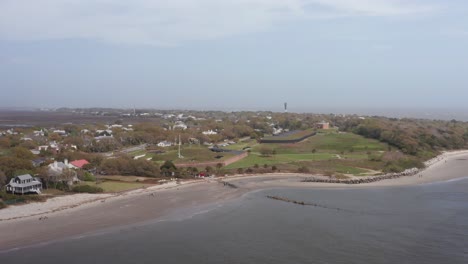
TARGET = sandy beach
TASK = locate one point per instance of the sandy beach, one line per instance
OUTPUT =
(80, 214)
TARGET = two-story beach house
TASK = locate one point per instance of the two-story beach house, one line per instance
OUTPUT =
(24, 184)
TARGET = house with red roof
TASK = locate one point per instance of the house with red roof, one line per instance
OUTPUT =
(78, 164)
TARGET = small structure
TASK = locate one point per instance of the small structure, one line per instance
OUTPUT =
(179, 125)
(164, 144)
(38, 162)
(78, 164)
(323, 125)
(24, 184)
(209, 132)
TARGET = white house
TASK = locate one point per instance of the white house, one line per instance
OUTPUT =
(39, 133)
(56, 169)
(180, 125)
(209, 132)
(60, 132)
(277, 131)
(24, 184)
(164, 144)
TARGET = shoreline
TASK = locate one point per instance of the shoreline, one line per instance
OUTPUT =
(79, 214)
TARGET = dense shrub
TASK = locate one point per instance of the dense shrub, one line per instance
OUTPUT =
(128, 166)
(23, 198)
(87, 189)
(303, 169)
(88, 177)
(402, 164)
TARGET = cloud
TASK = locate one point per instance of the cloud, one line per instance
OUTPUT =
(169, 22)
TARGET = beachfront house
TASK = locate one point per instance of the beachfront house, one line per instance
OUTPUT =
(24, 184)
(60, 171)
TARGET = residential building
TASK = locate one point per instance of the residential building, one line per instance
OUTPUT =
(164, 144)
(209, 132)
(78, 164)
(57, 168)
(24, 184)
(323, 125)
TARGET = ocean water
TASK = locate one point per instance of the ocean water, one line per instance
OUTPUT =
(419, 224)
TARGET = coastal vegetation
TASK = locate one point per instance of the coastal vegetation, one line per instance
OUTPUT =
(146, 144)
(87, 189)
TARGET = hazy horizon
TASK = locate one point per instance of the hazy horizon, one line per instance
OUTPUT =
(423, 113)
(253, 54)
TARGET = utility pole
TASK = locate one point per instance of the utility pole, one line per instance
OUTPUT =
(180, 143)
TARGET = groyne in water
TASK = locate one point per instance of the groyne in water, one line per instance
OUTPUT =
(228, 184)
(279, 198)
(408, 172)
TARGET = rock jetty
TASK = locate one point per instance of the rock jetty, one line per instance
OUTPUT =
(408, 172)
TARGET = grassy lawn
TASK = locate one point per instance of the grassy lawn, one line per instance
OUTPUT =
(116, 186)
(331, 143)
(241, 145)
(255, 158)
(329, 151)
(137, 152)
(293, 136)
(192, 154)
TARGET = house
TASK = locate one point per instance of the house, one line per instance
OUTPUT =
(24, 184)
(44, 147)
(277, 131)
(38, 162)
(61, 132)
(101, 132)
(78, 164)
(164, 144)
(56, 169)
(35, 151)
(209, 132)
(323, 125)
(39, 133)
(179, 125)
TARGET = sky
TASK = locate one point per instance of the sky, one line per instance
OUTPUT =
(234, 54)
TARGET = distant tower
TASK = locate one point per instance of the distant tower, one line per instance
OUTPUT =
(285, 107)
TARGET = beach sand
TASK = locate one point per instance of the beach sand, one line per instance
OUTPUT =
(80, 214)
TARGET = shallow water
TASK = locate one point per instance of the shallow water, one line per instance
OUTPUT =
(420, 224)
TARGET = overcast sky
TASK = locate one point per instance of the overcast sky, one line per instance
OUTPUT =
(234, 54)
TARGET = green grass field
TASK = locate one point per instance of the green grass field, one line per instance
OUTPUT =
(191, 154)
(240, 145)
(329, 151)
(331, 143)
(256, 158)
(294, 136)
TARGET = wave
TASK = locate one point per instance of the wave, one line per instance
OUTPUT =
(447, 181)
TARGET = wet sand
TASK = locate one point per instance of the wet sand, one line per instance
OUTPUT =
(153, 204)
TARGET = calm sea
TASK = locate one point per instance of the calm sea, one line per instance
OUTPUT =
(421, 224)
